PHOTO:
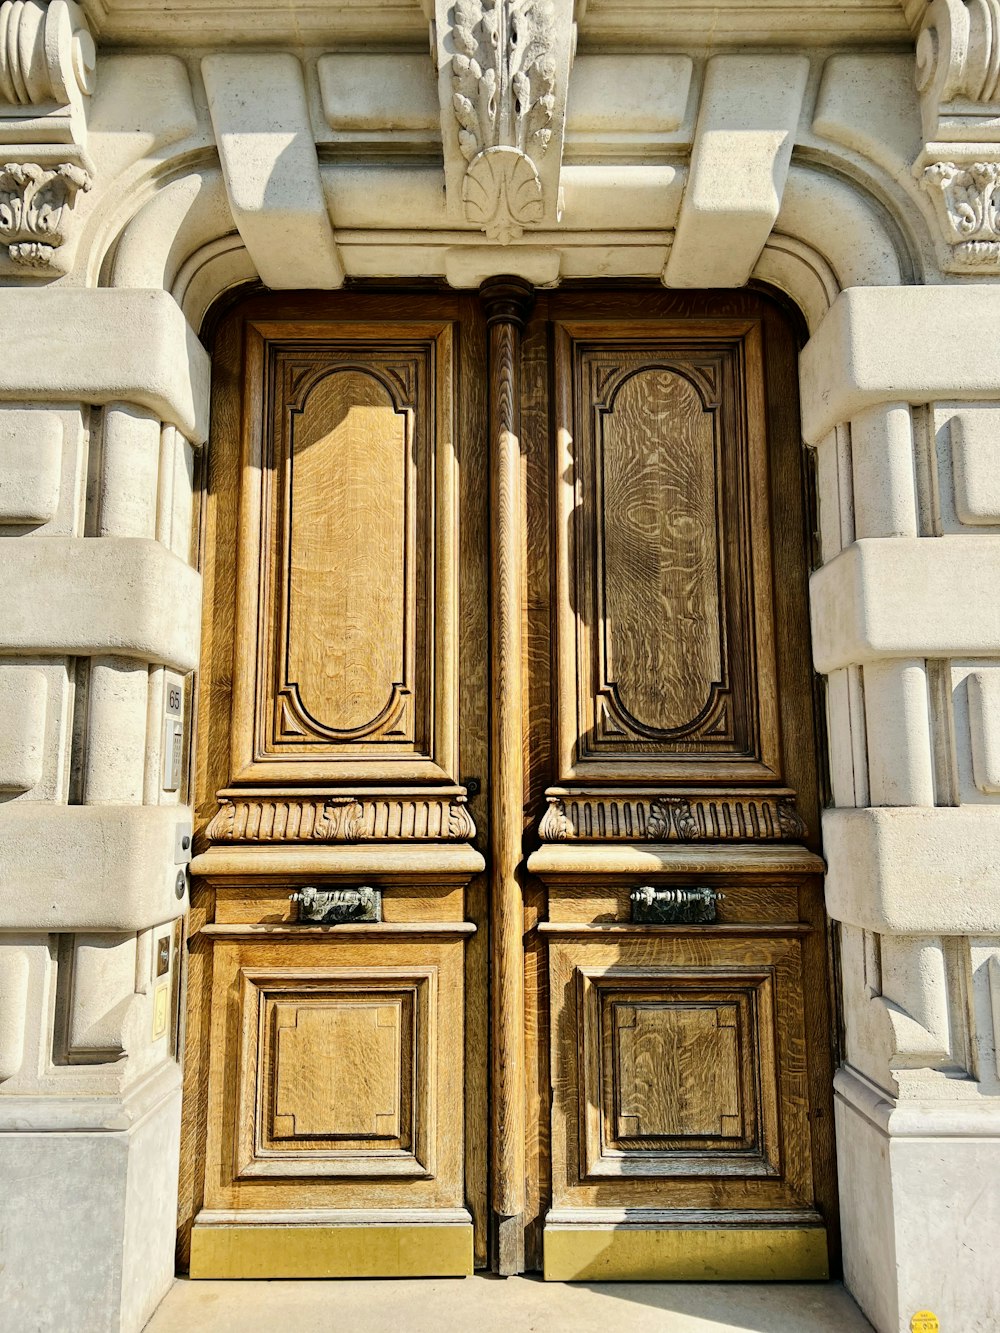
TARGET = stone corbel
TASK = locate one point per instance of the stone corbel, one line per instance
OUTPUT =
(914, 1005)
(47, 73)
(14, 975)
(503, 71)
(958, 78)
(267, 149)
(105, 1012)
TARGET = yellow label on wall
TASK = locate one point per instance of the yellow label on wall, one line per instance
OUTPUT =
(160, 1014)
(924, 1322)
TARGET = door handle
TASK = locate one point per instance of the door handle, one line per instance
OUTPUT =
(674, 907)
(334, 907)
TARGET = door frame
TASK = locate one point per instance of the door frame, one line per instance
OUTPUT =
(504, 332)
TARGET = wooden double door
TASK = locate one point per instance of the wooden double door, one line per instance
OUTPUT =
(506, 944)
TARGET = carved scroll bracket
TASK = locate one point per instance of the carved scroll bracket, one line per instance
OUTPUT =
(958, 78)
(47, 74)
(503, 71)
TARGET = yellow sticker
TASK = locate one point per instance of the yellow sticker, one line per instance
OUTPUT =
(924, 1321)
(160, 1019)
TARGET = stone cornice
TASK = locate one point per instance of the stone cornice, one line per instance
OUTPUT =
(669, 25)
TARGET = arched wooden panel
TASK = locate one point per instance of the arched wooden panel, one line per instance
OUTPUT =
(348, 636)
(659, 537)
(666, 622)
(347, 577)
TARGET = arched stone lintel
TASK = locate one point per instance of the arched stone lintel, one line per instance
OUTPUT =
(828, 236)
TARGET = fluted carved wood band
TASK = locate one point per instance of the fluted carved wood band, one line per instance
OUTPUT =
(647, 817)
(284, 819)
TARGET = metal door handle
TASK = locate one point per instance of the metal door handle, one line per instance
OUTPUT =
(337, 906)
(670, 907)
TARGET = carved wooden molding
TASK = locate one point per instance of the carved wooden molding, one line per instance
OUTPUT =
(375, 699)
(503, 70)
(47, 73)
(644, 817)
(507, 302)
(661, 486)
(348, 819)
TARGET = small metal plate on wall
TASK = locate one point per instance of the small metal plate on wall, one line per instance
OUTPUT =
(337, 907)
(674, 907)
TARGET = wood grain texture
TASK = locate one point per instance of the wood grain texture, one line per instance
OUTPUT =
(744, 776)
(349, 618)
(653, 1122)
(474, 733)
(674, 1070)
(327, 1087)
(346, 570)
(331, 541)
(506, 302)
(336, 1069)
(335, 1076)
(666, 662)
(536, 457)
(659, 594)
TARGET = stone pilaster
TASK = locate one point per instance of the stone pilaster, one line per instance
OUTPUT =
(93, 838)
(901, 607)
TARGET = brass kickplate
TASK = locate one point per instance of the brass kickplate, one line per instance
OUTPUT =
(425, 1250)
(662, 1254)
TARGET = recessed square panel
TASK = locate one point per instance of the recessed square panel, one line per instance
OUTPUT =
(337, 1068)
(335, 1074)
(676, 1069)
(679, 1075)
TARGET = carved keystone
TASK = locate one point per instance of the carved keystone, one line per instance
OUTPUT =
(503, 71)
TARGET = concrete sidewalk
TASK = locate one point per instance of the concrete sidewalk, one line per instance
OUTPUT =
(514, 1305)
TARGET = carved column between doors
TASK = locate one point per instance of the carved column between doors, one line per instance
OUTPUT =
(507, 302)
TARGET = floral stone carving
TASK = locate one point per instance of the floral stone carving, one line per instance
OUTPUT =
(34, 205)
(504, 66)
(965, 198)
(502, 194)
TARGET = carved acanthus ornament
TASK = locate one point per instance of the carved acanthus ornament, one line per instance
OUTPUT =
(34, 202)
(503, 68)
(47, 69)
(958, 78)
(965, 199)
